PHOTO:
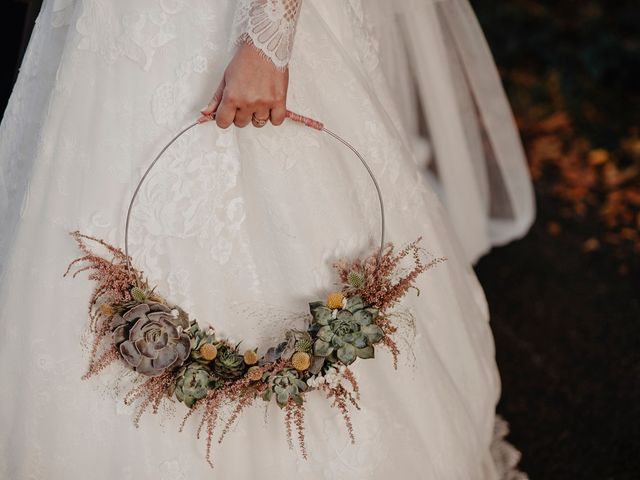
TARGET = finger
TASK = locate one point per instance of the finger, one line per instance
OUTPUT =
(215, 101)
(278, 114)
(262, 113)
(243, 117)
(225, 113)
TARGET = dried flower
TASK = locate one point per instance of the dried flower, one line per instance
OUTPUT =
(250, 357)
(138, 294)
(384, 282)
(107, 310)
(254, 373)
(208, 351)
(334, 300)
(355, 279)
(301, 361)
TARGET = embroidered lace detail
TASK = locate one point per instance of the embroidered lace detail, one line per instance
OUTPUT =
(269, 25)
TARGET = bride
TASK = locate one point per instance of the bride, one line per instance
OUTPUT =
(233, 222)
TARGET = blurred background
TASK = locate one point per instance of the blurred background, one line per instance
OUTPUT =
(565, 300)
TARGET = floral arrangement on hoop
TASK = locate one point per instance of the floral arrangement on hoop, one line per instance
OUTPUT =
(181, 360)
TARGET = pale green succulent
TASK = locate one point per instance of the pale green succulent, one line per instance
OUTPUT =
(192, 383)
(286, 385)
(351, 334)
(199, 338)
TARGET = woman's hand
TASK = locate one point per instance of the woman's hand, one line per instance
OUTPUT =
(252, 89)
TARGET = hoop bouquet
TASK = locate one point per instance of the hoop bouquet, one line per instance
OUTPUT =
(178, 359)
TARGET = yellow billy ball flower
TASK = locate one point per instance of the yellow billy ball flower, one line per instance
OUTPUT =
(301, 361)
(106, 310)
(334, 300)
(208, 351)
(254, 373)
(250, 357)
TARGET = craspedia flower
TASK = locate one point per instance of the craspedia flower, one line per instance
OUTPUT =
(301, 361)
(334, 300)
(208, 351)
(250, 357)
(107, 310)
(254, 373)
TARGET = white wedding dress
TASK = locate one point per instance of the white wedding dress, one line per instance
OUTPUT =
(229, 222)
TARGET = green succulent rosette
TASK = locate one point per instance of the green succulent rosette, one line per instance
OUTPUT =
(285, 385)
(192, 383)
(345, 334)
(229, 363)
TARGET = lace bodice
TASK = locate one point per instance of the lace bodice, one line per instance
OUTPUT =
(269, 25)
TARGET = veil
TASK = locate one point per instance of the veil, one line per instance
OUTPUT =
(462, 127)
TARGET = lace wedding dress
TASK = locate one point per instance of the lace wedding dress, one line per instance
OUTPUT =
(232, 222)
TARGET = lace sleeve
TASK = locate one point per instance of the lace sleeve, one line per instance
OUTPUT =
(269, 25)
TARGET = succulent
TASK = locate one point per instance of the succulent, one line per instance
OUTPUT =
(286, 349)
(292, 338)
(150, 337)
(348, 334)
(286, 385)
(229, 363)
(200, 339)
(273, 354)
(192, 383)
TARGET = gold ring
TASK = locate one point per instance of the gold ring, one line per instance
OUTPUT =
(258, 122)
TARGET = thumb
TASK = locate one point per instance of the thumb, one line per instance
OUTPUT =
(215, 101)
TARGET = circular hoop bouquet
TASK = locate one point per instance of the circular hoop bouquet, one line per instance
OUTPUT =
(182, 360)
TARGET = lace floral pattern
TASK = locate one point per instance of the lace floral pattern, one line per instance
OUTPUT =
(269, 25)
(135, 35)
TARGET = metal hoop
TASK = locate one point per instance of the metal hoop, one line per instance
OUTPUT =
(290, 115)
